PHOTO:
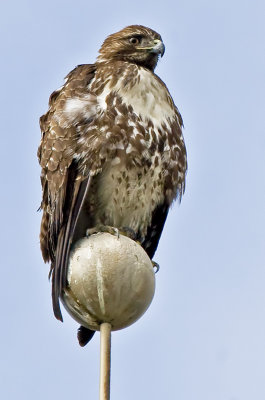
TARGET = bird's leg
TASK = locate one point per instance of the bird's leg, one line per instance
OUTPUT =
(156, 266)
(103, 228)
(130, 233)
(125, 231)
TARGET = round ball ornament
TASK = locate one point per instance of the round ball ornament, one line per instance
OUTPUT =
(111, 279)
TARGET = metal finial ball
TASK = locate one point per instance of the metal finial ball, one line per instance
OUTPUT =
(111, 279)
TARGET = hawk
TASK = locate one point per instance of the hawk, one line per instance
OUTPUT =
(112, 152)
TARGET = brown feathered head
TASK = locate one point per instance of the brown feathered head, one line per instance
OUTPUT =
(135, 44)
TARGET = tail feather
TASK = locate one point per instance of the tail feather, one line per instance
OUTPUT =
(84, 335)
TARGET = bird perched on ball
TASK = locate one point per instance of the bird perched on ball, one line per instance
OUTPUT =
(112, 153)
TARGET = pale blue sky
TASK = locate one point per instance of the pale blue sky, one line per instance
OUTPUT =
(203, 338)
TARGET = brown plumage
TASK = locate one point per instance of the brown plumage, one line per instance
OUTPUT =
(112, 151)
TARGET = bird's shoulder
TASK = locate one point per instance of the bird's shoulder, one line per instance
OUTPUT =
(58, 124)
(76, 85)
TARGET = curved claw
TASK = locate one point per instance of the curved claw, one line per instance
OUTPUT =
(103, 228)
(156, 266)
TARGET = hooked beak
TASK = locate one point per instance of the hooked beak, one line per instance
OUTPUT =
(157, 48)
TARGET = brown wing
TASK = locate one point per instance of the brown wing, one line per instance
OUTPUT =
(175, 178)
(64, 186)
(155, 229)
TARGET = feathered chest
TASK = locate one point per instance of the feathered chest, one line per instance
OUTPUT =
(135, 118)
(128, 119)
(139, 93)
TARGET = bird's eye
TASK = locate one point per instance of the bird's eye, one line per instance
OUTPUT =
(134, 40)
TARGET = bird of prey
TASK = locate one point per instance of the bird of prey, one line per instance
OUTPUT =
(112, 152)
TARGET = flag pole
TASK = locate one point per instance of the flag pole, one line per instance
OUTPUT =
(105, 348)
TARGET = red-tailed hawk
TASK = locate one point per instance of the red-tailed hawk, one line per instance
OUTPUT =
(112, 152)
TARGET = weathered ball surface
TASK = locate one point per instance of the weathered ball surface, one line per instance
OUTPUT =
(111, 279)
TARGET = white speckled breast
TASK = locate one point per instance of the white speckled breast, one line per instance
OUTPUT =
(127, 198)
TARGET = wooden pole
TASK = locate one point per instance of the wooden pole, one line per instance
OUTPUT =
(105, 346)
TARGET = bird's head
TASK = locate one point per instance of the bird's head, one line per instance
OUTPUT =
(136, 44)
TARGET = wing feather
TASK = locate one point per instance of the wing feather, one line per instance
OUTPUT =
(155, 229)
(59, 277)
(64, 186)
